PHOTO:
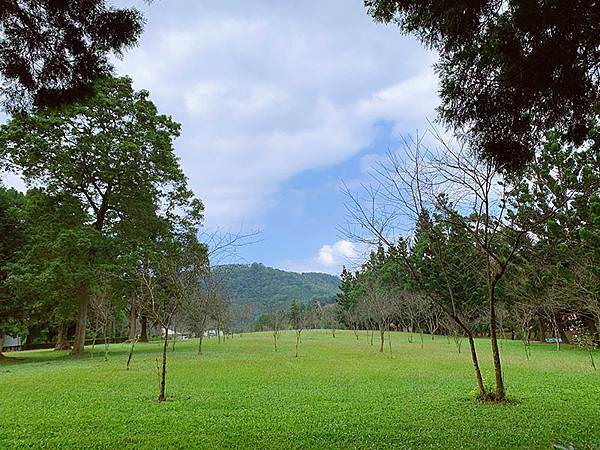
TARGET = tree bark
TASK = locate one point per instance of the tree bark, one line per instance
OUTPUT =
(2, 346)
(500, 392)
(133, 342)
(561, 328)
(143, 329)
(163, 376)
(80, 325)
(476, 365)
(474, 358)
(62, 342)
(382, 333)
(132, 323)
(200, 339)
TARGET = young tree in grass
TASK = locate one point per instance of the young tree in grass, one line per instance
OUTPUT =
(112, 151)
(102, 319)
(299, 316)
(169, 282)
(331, 317)
(278, 322)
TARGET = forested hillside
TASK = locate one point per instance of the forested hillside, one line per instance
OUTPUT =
(264, 287)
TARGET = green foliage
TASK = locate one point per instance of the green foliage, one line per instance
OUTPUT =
(266, 288)
(509, 70)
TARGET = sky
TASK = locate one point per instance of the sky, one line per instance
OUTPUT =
(281, 102)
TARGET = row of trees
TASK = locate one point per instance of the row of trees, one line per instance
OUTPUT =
(485, 251)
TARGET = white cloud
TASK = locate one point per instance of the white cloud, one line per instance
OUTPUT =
(266, 91)
(336, 254)
(330, 258)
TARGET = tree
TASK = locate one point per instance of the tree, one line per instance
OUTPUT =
(331, 318)
(170, 281)
(52, 51)
(277, 321)
(510, 70)
(12, 236)
(299, 316)
(114, 153)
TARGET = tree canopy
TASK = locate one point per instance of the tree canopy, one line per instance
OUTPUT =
(51, 51)
(510, 70)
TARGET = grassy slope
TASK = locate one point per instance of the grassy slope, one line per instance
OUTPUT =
(340, 393)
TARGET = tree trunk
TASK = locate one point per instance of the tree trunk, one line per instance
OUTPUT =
(200, 343)
(382, 333)
(174, 337)
(2, 346)
(561, 328)
(80, 326)
(163, 375)
(132, 323)
(480, 385)
(131, 351)
(541, 331)
(500, 392)
(62, 342)
(105, 343)
(275, 339)
(297, 341)
(143, 329)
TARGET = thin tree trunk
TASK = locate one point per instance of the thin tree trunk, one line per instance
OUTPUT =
(143, 329)
(561, 329)
(382, 333)
(80, 326)
(174, 337)
(163, 375)
(132, 323)
(105, 343)
(297, 341)
(500, 392)
(474, 358)
(480, 385)
(2, 346)
(131, 351)
(200, 339)
(275, 339)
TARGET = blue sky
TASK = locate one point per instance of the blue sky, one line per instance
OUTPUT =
(279, 102)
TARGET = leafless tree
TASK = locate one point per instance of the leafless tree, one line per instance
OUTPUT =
(102, 315)
(278, 322)
(167, 284)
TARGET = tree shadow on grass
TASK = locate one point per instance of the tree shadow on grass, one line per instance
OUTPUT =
(115, 351)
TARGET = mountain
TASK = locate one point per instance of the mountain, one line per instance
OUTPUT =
(264, 287)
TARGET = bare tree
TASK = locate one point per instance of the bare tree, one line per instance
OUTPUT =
(168, 283)
(330, 318)
(278, 321)
(102, 314)
(395, 200)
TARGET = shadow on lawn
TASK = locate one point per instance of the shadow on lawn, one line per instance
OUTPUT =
(50, 355)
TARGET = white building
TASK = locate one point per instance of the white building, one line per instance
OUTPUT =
(11, 343)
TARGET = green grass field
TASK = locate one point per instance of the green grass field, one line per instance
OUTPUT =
(340, 393)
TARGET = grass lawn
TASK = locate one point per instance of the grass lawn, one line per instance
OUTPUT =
(340, 393)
